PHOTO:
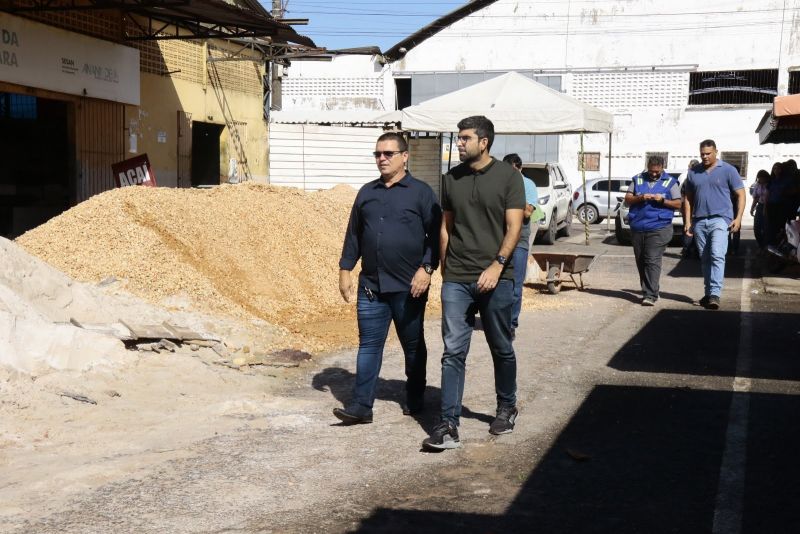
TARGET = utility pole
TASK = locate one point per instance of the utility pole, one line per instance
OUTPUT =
(275, 79)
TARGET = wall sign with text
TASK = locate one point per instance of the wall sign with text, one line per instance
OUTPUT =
(134, 171)
(41, 56)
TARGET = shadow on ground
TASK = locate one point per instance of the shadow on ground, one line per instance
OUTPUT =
(636, 459)
(639, 459)
(340, 381)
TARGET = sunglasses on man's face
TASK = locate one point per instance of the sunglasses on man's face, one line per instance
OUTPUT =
(388, 154)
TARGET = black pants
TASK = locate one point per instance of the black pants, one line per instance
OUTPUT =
(649, 247)
(777, 215)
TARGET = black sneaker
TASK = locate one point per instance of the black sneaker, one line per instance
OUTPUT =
(352, 418)
(504, 422)
(713, 302)
(443, 437)
(703, 301)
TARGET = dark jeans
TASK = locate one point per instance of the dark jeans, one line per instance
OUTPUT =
(520, 262)
(758, 226)
(460, 302)
(374, 318)
(649, 247)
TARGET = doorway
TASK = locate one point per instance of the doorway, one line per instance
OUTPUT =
(35, 178)
(205, 153)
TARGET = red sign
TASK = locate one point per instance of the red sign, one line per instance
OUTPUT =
(134, 171)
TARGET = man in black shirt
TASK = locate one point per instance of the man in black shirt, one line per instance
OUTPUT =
(394, 230)
(483, 201)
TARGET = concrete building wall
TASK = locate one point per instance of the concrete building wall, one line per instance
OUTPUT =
(176, 77)
(346, 82)
(313, 157)
(638, 54)
(155, 124)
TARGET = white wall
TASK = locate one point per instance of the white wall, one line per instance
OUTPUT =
(575, 34)
(425, 161)
(346, 82)
(313, 157)
(633, 39)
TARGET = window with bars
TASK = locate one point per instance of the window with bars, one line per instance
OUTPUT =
(591, 161)
(737, 159)
(711, 88)
(794, 82)
(13, 106)
(662, 155)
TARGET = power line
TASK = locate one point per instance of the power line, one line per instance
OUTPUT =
(506, 32)
(582, 16)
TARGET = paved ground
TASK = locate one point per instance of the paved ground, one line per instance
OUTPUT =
(633, 419)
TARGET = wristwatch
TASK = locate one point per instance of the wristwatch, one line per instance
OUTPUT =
(428, 268)
(501, 259)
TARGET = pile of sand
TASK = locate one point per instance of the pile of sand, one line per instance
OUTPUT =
(248, 250)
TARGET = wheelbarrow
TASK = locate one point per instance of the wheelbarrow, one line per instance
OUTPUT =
(557, 264)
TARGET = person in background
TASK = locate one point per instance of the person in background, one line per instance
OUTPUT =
(734, 238)
(483, 202)
(759, 194)
(520, 256)
(709, 216)
(653, 198)
(394, 230)
(775, 209)
(793, 195)
(689, 250)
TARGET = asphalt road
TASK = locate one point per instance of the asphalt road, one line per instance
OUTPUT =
(632, 419)
(694, 432)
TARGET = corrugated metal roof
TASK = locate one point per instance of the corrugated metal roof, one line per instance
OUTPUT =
(364, 117)
(400, 49)
(193, 19)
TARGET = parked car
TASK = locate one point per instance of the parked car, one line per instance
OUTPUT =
(596, 206)
(622, 229)
(555, 199)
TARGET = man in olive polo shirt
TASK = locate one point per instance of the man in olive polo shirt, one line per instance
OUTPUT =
(483, 201)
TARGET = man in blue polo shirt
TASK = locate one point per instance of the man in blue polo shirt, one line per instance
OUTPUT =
(709, 216)
(394, 230)
(520, 256)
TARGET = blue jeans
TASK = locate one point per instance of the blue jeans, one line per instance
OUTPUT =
(374, 318)
(460, 302)
(711, 237)
(520, 261)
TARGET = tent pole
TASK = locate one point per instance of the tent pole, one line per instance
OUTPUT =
(583, 179)
(450, 152)
(608, 218)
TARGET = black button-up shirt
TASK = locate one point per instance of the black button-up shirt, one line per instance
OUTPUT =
(394, 230)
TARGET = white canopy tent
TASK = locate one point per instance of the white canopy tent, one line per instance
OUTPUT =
(515, 104)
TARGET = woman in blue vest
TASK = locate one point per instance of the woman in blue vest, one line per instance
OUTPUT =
(653, 197)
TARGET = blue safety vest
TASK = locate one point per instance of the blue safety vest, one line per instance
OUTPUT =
(651, 215)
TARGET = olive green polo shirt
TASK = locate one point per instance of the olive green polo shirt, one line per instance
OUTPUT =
(479, 200)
